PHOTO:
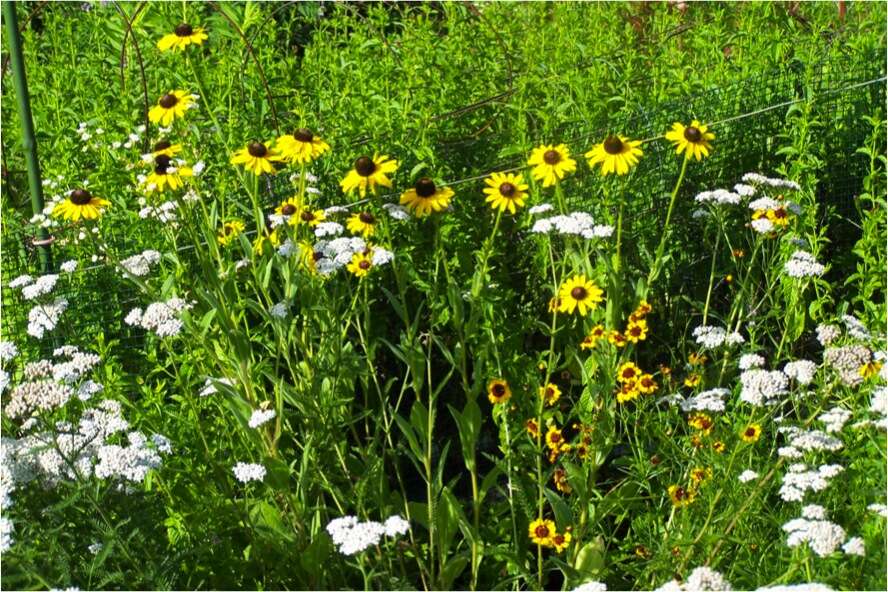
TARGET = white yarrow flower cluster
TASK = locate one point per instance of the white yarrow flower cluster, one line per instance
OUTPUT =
(279, 310)
(351, 536)
(802, 371)
(131, 462)
(822, 536)
(260, 417)
(210, 386)
(574, 224)
(591, 587)
(396, 212)
(826, 334)
(803, 264)
(856, 329)
(748, 361)
(328, 229)
(140, 265)
(540, 209)
(775, 182)
(718, 197)
(246, 472)
(69, 266)
(713, 337)
(835, 419)
(42, 286)
(700, 579)
(747, 476)
(161, 318)
(8, 351)
(800, 480)
(854, 546)
(711, 400)
(762, 387)
(45, 317)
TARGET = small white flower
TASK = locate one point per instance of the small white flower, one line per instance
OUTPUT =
(396, 211)
(748, 361)
(395, 525)
(747, 476)
(246, 472)
(540, 209)
(802, 264)
(261, 417)
(328, 229)
(279, 310)
(69, 266)
(854, 546)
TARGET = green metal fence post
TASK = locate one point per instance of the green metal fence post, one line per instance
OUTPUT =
(29, 144)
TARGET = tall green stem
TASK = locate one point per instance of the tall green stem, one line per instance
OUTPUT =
(655, 267)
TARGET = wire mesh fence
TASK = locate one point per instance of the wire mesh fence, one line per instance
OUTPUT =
(748, 117)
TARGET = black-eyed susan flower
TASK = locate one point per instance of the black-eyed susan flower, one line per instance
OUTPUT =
(692, 380)
(693, 140)
(498, 391)
(580, 294)
(289, 208)
(681, 496)
(505, 191)
(541, 532)
(636, 331)
(616, 339)
(628, 372)
(532, 427)
(182, 37)
(628, 391)
(616, 154)
(165, 148)
(166, 174)
(301, 147)
(701, 421)
(695, 359)
(869, 370)
(560, 541)
(751, 433)
(643, 309)
(700, 475)
(257, 157)
(561, 482)
(719, 446)
(363, 223)
(554, 439)
(80, 203)
(308, 256)
(425, 197)
(170, 106)
(311, 217)
(646, 384)
(360, 264)
(367, 173)
(551, 163)
(550, 394)
(229, 231)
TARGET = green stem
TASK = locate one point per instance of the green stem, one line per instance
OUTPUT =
(655, 267)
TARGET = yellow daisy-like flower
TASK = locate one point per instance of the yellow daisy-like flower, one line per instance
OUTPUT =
(183, 36)
(166, 175)
(693, 140)
(368, 173)
(628, 391)
(550, 394)
(551, 163)
(681, 497)
(595, 335)
(271, 238)
(561, 541)
(869, 369)
(554, 438)
(361, 263)
(362, 223)
(170, 106)
(561, 482)
(702, 422)
(541, 532)
(579, 294)
(165, 148)
(80, 203)
(692, 380)
(752, 433)
(505, 191)
(300, 147)
(229, 231)
(257, 158)
(695, 359)
(699, 475)
(779, 216)
(636, 331)
(643, 309)
(308, 257)
(290, 208)
(532, 427)
(719, 446)
(425, 197)
(616, 154)
(646, 384)
(616, 339)
(498, 391)
(628, 372)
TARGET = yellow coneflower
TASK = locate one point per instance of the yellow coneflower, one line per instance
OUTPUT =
(170, 106)
(541, 532)
(628, 391)
(616, 154)
(616, 339)
(579, 293)
(561, 541)
(425, 197)
(505, 191)
(367, 173)
(310, 217)
(182, 37)
(300, 147)
(550, 163)
(361, 263)
(595, 335)
(692, 380)
(229, 231)
(80, 203)
(257, 157)
(554, 439)
(700, 474)
(561, 483)
(628, 372)
(532, 427)
(308, 257)
(643, 309)
(646, 384)
(693, 140)
(166, 175)
(869, 369)
(778, 216)
(681, 497)
(498, 391)
(289, 208)
(550, 394)
(362, 223)
(701, 421)
(751, 433)
(719, 446)
(165, 148)
(636, 331)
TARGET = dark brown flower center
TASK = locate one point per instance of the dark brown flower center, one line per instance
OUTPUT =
(507, 190)
(541, 531)
(364, 264)
(80, 197)
(558, 539)
(499, 390)
(628, 373)
(257, 149)
(317, 255)
(780, 213)
(366, 218)
(162, 145)
(288, 209)
(555, 437)
(365, 166)
(307, 216)
(613, 145)
(750, 432)
(161, 163)
(168, 101)
(680, 493)
(184, 30)
(303, 135)
(550, 392)
(578, 293)
(552, 157)
(227, 229)
(425, 187)
(693, 134)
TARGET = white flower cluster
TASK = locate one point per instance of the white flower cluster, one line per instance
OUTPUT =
(131, 462)
(799, 480)
(748, 361)
(702, 578)
(826, 334)
(807, 587)
(878, 406)
(396, 212)
(328, 229)
(847, 361)
(822, 536)
(210, 386)
(711, 400)
(6, 530)
(880, 509)
(777, 183)
(42, 286)
(802, 371)
(351, 536)
(591, 587)
(803, 264)
(260, 417)
(246, 472)
(540, 209)
(164, 212)
(161, 318)
(835, 419)
(747, 476)
(762, 387)
(330, 256)
(140, 265)
(279, 310)
(37, 396)
(8, 351)
(718, 197)
(713, 337)
(854, 546)
(807, 441)
(45, 317)
(574, 224)
(856, 329)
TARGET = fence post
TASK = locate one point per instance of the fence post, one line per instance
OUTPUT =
(29, 143)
